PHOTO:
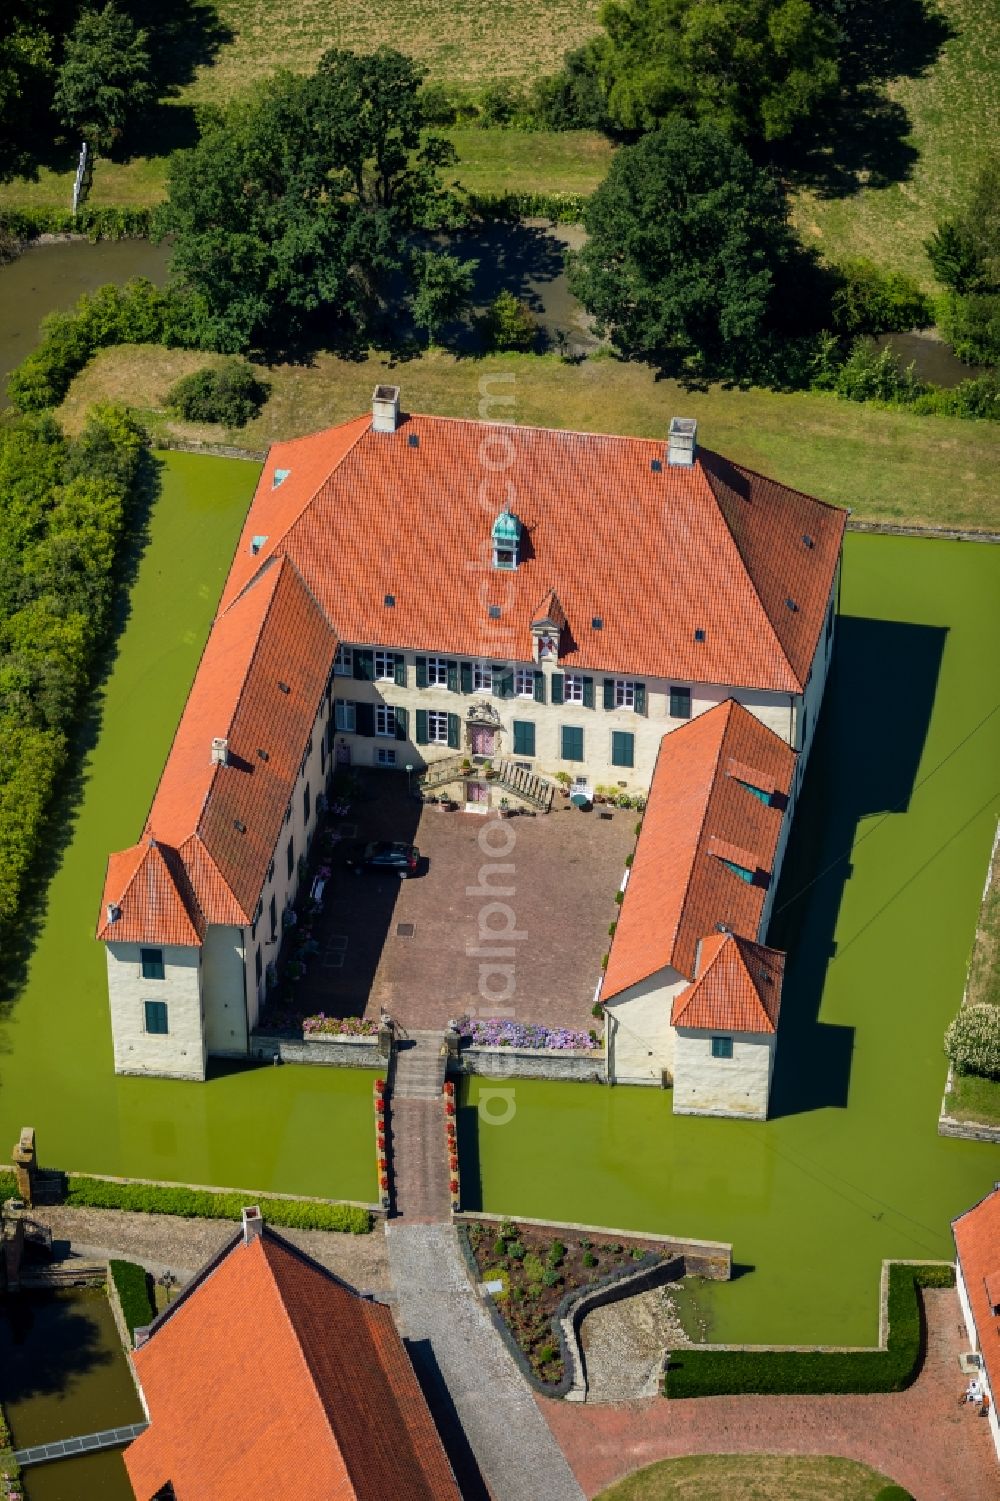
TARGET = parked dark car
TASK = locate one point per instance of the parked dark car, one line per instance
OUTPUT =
(385, 854)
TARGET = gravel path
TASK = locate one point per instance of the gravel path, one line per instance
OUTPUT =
(454, 1346)
(165, 1242)
(623, 1345)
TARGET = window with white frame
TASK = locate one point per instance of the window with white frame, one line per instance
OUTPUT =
(573, 688)
(384, 756)
(343, 715)
(437, 672)
(625, 693)
(524, 682)
(385, 720)
(437, 728)
(385, 665)
(343, 662)
(482, 678)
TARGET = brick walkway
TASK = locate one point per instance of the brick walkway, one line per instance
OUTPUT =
(924, 1439)
(416, 1132)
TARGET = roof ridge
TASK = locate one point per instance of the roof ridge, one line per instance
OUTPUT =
(746, 568)
(207, 855)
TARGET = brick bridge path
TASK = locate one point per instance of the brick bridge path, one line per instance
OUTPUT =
(925, 1438)
(496, 1437)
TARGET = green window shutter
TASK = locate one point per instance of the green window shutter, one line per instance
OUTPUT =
(422, 673)
(364, 720)
(503, 682)
(609, 693)
(622, 748)
(454, 728)
(364, 665)
(640, 698)
(588, 693)
(539, 687)
(399, 671)
(402, 723)
(557, 687)
(524, 737)
(572, 743)
(452, 677)
(421, 735)
(466, 677)
(680, 703)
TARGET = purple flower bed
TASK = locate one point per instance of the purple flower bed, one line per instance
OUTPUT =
(338, 1026)
(498, 1032)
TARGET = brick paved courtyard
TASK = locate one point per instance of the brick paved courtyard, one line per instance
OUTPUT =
(410, 946)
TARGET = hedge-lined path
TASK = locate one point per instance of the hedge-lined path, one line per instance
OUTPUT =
(925, 1438)
(166, 1242)
(497, 1440)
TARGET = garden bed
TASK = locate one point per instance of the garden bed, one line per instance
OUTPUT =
(540, 1269)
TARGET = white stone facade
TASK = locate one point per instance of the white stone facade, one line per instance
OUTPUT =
(974, 1343)
(736, 1086)
(180, 1052)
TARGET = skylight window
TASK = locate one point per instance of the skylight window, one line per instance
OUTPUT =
(494, 612)
(699, 634)
(257, 543)
(390, 601)
(280, 475)
(597, 623)
(414, 440)
(791, 605)
(656, 465)
(807, 541)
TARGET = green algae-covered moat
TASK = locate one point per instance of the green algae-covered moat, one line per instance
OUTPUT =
(877, 910)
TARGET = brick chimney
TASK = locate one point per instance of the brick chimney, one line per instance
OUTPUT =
(682, 441)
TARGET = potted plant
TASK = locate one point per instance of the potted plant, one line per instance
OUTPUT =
(564, 779)
(466, 764)
(488, 771)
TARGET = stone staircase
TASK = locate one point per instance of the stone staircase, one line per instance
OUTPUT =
(440, 773)
(531, 789)
(416, 1130)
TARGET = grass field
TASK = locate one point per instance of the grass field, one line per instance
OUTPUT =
(886, 465)
(953, 110)
(295, 1130)
(749, 1477)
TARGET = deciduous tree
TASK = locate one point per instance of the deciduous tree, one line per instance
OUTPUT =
(104, 78)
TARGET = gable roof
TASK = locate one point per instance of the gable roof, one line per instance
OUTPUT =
(737, 987)
(655, 554)
(269, 1376)
(258, 686)
(977, 1241)
(697, 815)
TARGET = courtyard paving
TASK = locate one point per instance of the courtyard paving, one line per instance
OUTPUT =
(411, 947)
(926, 1439)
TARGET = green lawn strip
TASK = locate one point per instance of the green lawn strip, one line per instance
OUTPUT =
(888, 466)
(972, 1099)
(132, 1286)
(713, 1373)
(750, 1477)
(530, 161)
(205, 1204)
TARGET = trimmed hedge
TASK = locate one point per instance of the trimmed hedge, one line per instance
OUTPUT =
(203, 1203)
(132, 1285)
(713, 1373)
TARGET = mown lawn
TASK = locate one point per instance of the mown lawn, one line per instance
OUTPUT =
(886, 465)
(749, 1477)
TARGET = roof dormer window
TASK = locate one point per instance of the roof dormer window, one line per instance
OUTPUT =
(506, 537)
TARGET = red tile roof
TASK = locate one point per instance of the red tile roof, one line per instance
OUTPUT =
(270, 1377)
(655, 554)
(678, 891)
(737, 988)
(977, 1240)
(258, 686)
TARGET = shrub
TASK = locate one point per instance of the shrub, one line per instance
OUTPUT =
(972, 1042)
(871, 301)
(550, 1277)
(872, 374)
(229, 393)
(204, 1203)
(557, 1252)
(502, 103)
(546, 1354)
(499, 1247)
(561, 208)
(515, 1250)
(972, 325)
(510, 324)
(893, 1493)
(132, 1285)
(437, 105)
(704, 1373)
(533, 1269)
(588, 1258)
(619, 897)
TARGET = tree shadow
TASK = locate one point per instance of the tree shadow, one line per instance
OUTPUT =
(864, 763)
(184, 35)
(45, 1345)
(19, 936)
(862, 138)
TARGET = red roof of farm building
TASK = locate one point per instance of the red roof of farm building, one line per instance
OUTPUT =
(977, 1240)
(270, 1377)
(737, 987)
(700, 814)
